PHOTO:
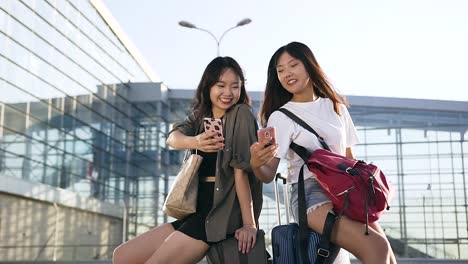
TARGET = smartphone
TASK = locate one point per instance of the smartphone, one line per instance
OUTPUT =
(267, 133)
(213, 124)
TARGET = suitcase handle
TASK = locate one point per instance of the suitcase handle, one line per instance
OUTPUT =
(286, 198)
(278, 176)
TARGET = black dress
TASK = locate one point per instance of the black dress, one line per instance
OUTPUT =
(194, 224)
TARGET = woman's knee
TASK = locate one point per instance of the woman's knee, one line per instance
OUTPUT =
(174, 250)
(377, 251)
(126, 254)
(118, 255)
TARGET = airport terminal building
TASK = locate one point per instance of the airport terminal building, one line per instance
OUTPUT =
(83, 159)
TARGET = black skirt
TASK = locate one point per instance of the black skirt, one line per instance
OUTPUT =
(194, 224)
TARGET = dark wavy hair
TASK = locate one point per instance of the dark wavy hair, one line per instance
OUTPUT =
(202, 103)
(276, 95)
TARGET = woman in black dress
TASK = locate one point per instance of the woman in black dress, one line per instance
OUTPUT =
(230, 197)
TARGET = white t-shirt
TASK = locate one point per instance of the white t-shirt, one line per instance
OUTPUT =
(337, 130)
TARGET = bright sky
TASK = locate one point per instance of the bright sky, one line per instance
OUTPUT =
(394, 48)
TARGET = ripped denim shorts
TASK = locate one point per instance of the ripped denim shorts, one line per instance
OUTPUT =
(313, 194)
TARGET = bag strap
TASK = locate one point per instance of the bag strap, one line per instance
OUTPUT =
(303, 124)
(303, 227)
(323, 251)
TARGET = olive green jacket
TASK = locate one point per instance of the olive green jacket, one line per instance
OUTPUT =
(240, 132)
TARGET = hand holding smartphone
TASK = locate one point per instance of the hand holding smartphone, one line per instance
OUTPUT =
(267, 133)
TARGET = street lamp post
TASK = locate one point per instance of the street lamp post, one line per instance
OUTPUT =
(243, 22)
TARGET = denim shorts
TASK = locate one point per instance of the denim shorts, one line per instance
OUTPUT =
(314, 197)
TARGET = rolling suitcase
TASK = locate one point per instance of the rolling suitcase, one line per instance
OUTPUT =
(285, 238)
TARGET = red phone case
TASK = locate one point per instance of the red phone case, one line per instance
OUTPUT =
(267, 133)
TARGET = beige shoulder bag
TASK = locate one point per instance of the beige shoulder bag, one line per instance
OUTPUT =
(182, 197)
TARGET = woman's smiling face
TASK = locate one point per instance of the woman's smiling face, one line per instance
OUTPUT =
(292, 74)
(225, 93)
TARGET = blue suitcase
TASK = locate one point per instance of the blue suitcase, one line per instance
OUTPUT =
(285, 242)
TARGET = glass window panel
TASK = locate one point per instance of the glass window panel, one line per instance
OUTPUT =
(412, 135)
(37, 149)
(53, 157)
(14, 117)
(13, 166)
(3, 19)
(13, 144)
(82, 148)
(20, 77)
(11, 94)
(96, 53)
(34, 170)
(378, 135)
(75, 54)
(444, 148)
(455, 148)
(84, 133)
(455, 136)
(444, 163)
(40, 112)
(417, 165)
(414, 149)
(90, 16)
(377, 152)
(437, 135)
(457, 165)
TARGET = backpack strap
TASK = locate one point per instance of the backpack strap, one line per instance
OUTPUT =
(302, 215)
(323, 250)
(303, 124)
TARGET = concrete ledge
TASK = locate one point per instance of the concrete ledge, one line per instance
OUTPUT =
(47, 193)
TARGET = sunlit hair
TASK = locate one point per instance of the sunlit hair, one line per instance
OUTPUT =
(276, 95)
(202, 103)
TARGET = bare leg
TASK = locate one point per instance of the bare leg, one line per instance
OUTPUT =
(376, 226)
(140, 249)
(348, 234)
(179, 248)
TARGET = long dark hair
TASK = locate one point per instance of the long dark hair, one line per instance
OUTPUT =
(276, 95)
(202, 103)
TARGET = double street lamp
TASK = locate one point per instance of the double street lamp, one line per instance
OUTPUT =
(243, 22)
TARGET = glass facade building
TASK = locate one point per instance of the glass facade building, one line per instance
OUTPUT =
(80, 112)
(63, 126)
(421, 145)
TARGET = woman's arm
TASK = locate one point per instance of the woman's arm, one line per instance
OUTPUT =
(248, 233)
(178, 140)
(245, 197)
(349, 153)
(204, 141)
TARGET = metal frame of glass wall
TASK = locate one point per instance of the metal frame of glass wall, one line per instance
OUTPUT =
(60, 123)
(424, 154)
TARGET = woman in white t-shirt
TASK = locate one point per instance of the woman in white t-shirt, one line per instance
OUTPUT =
(296, 82)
